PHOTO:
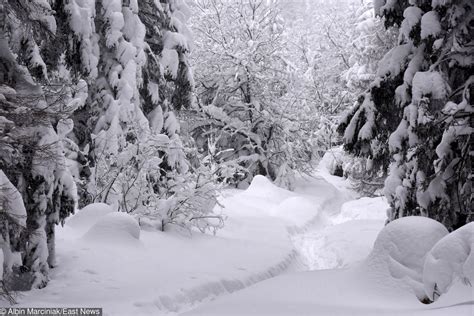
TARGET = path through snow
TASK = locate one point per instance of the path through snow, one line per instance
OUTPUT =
(343, 238)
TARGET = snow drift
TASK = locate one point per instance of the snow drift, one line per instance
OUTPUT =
(451, 258)
(115, 228)
(86, 217)
(400, 249)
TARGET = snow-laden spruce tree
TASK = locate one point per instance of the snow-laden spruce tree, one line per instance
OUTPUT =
(370, 42)
(170, 85)
(32, 111)
(135, 59)
(417, 113)
(245, 123)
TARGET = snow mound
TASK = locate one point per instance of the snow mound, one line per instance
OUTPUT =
(400, 249)
(117, 228)
(260, 183)
(451, 258)
(292, 205)
(262, 187)
(363, 209)
(297, 210)
(259, 199)
(85, 218)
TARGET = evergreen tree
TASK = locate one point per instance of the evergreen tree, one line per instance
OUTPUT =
(371, 41)
(32, 155)
(418, 111)
(135, 54)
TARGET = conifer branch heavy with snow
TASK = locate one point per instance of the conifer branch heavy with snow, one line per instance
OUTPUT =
(417, 113)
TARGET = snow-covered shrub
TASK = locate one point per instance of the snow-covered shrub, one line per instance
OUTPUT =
(451, 259)
(190, 205)
(400, 250)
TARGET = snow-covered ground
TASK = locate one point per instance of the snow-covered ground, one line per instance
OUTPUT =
(387, 282)
(104, 260)
(353, 291)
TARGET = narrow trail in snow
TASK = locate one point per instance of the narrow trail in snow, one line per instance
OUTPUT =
(346, 230)
(311, 244)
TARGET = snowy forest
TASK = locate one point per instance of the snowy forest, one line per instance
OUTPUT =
(237, 157)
